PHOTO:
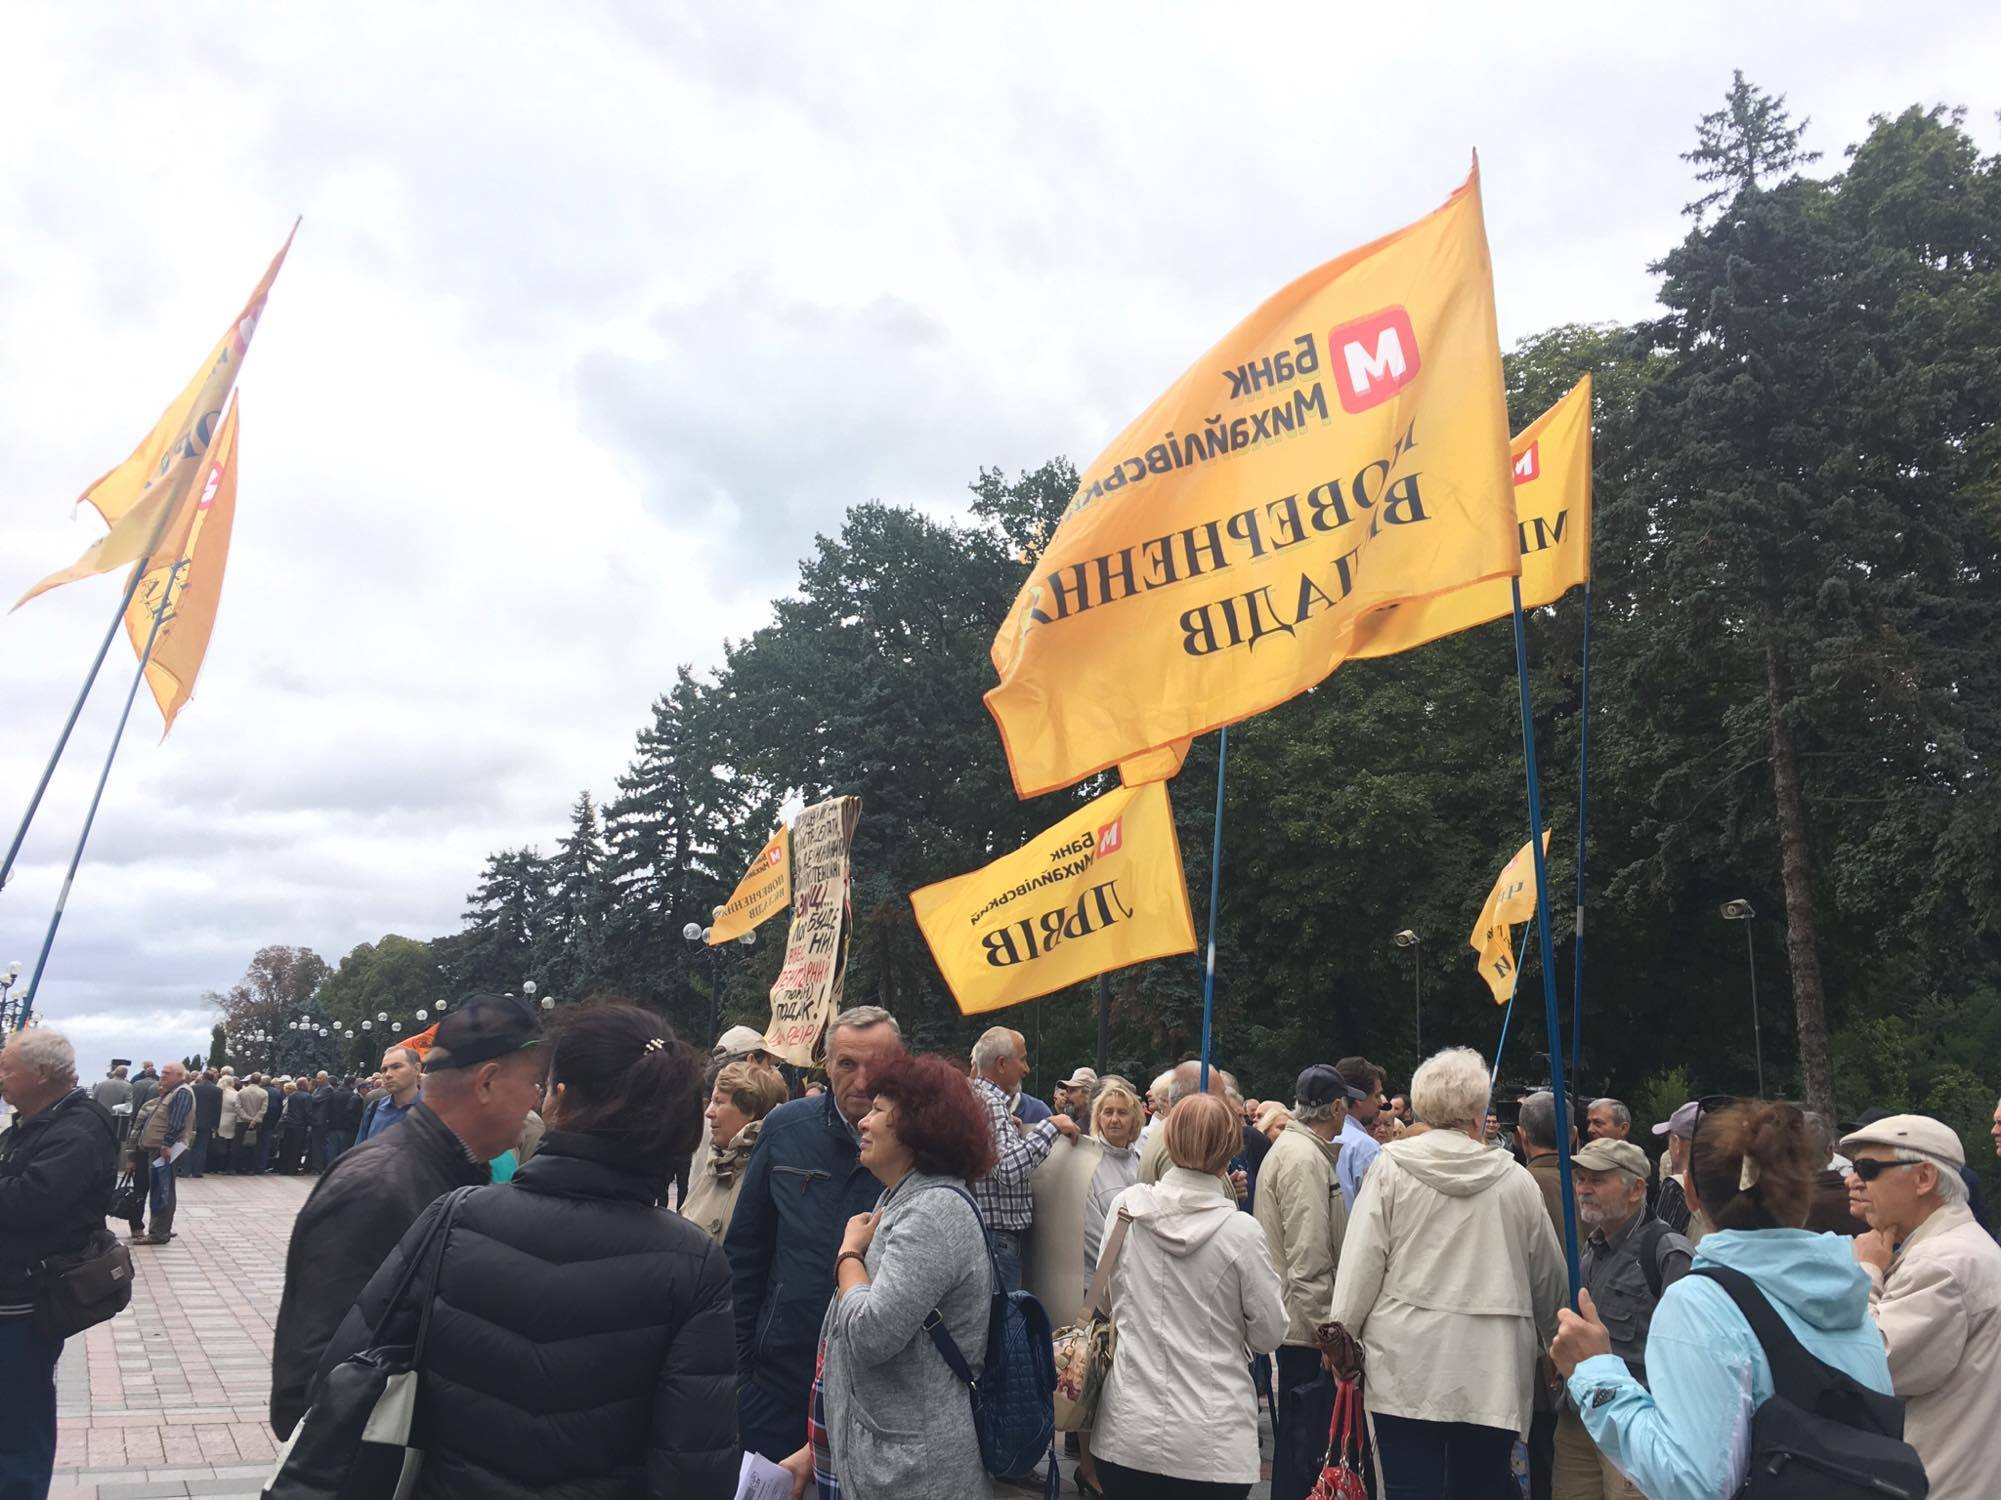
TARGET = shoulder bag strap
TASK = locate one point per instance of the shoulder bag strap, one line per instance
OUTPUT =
(432, 1258)
(1095, 1300)
(1796, 1374)
(934, 1325)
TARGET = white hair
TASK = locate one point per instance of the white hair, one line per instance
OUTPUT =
(861, 1017)
(1311, 1114)
(1620, 1114)
(1450, 1088)
(1951, 1186)
(1159, 1092)
(47, 1052)
(995, 1043)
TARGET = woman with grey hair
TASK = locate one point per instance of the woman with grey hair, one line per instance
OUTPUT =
(1448, 1289)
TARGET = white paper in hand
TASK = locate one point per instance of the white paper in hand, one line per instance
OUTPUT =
(761, 1479)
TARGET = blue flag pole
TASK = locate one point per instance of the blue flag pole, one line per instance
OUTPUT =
(1215, 888)
(75, 710)
(1548, 950)
(90, 817)
(1583, 821)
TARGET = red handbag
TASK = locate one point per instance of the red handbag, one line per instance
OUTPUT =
(1343, 1476)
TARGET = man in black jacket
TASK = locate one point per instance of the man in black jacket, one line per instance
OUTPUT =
(481, 1077)
(343, 1120)
(201, 1131)
(804, 1182)
(56, 1170)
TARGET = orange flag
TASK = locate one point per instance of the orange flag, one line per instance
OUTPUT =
(197, 582)
(149, 500)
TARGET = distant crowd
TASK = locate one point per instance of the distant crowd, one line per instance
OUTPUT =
(663, 1261)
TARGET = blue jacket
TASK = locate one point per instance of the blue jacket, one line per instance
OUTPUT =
(1690, 1438)
(804, 1182)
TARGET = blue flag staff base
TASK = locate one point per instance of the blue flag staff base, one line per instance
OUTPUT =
(1215, 886)
(160, 616)
(1548, 951)
(75, 712)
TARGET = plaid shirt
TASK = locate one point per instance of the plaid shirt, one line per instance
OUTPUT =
(824, 1480)
(1003, 1196)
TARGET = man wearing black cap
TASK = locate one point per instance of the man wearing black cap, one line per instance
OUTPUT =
(481, 1077)
(1302, 1211)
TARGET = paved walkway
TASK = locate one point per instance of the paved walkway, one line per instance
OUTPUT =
(169, 1398)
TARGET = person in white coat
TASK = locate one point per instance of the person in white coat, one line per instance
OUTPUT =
(225, 1128)
(1193, 1289)
(1450, 1281)
(1935, 1293)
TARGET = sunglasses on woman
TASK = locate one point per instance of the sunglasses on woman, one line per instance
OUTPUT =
(1869, 1169)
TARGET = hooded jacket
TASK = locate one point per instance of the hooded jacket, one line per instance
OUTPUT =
(1939, 1309)
(580, 1341)
(1689, 1438)
(1451, 1278)
(1193, 1288)
(1304, 1214)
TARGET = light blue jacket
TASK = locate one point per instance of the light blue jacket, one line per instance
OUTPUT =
(1690, 1437)
(1358, 1149)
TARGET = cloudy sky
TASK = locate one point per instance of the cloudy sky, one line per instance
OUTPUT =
(600, 311)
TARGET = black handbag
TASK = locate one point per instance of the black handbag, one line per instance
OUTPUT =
(128, 1202)
(86, 1287)
(357, 1441)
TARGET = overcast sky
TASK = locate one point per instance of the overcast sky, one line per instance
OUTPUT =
(599, 312)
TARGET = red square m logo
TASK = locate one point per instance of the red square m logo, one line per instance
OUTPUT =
(1373, 358)
(1110, 837)
(1528, 463)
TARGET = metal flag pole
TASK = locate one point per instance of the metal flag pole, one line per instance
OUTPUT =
(75, 711)
(1494, 1073)
(1583, 821)
(1548, 950)
(90, 817)
(1215, 886)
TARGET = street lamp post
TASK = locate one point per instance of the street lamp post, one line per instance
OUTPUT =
(695, 932)
(8, 977)
(1409, 938)
(1741, 910)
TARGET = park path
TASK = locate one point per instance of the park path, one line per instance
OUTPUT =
(168, 1399)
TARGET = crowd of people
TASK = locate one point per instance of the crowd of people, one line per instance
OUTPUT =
(666, 1260)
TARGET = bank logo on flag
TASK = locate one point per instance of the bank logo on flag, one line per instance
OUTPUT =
(774, 855)
(1373, 358)
(1528, 464)
(1110, 837)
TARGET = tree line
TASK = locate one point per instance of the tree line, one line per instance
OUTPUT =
(1793, 703)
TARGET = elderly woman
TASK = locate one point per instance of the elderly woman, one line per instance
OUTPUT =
(897, 1421)
(1194, 1287)
(224, 1154)
(1116, 1117)
(1450, 1280)
(743, 1095)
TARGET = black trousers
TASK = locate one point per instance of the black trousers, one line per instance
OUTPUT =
(1122, 1483)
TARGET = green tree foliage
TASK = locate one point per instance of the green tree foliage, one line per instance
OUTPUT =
(218, 1045)
(1794, 701)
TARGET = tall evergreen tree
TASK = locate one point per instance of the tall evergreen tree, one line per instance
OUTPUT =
(569, 955)
(503, 921)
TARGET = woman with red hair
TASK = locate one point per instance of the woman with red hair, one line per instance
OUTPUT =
(889, 1416)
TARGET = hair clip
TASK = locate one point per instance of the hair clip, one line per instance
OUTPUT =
(656, 1045)
(1747, 1176)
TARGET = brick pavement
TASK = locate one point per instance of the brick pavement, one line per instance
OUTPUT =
(169, 1397)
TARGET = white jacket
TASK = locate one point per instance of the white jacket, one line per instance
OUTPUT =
(1451, 1277)
(1193, 1287)
(226, 1126)
(1939, 1310)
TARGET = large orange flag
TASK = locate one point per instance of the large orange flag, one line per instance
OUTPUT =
(1342, 450)
(149, 500)
(197, 589)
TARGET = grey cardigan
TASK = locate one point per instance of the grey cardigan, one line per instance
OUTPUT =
(899, 1422)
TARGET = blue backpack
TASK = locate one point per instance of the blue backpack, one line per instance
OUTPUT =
(1014, 1397)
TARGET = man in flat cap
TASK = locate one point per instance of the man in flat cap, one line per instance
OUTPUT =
(481, 1077)
(1935, 1292)
(1627, 1261)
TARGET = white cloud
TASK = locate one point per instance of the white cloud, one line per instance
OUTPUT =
(599, 312)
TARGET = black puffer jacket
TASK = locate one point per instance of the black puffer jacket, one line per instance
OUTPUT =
(581, 1343)
(56, 1172)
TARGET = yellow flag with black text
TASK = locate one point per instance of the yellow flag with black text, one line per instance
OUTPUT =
(1342, 450)
(764, 891)
(196, 573)
(149, 501)
(1100, 890)
(1510, 903)
(1552, 461)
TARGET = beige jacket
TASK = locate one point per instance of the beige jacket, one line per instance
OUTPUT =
(712, 1195)
(1939, 1309)
(1302, 1211)
(1451, 1277)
